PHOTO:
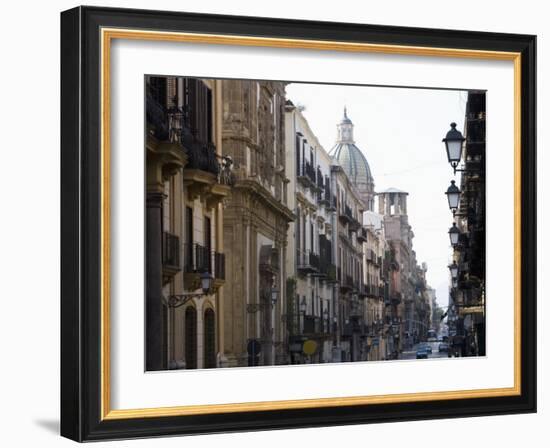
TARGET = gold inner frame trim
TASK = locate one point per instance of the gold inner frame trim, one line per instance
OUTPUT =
(107, 35)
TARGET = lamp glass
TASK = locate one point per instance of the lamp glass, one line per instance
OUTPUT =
(454, 150)
(454, 234)
(453, 143)
(453, 200)
(454, 271)
(453, 195)
(206, 282)
(274, 295)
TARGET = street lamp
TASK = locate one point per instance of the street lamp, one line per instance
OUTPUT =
(453, 143)
(206, 282)
(454, 270)
(303, 313)
(177, 300)
(454, 233)
(268, 298)
(274, 296)
(453, 196)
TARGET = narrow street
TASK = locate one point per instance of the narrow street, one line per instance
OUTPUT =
(411, 354)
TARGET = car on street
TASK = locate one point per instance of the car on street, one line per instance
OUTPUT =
(426, 347)
(443, 347)
(421, 353)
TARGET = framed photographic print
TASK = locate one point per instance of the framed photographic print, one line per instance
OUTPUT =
(274, 223)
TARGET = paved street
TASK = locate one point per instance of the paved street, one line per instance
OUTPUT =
(411, 354)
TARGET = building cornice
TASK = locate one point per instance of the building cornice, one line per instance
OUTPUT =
(254, 188)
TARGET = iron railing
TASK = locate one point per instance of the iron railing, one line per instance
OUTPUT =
(315, 325)
(307, 261)
(170, 250)
(197, 258)
(174, 124)
(310, 172)
(155, 114)
(202, 157)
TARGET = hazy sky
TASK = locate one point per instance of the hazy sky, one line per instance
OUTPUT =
(399, 131)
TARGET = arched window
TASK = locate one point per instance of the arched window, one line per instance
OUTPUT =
(209, 339)
(190, 338)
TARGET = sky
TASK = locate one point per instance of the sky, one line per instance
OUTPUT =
(399, 131)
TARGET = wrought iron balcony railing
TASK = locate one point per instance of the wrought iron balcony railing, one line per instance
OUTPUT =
(325, 195)
(202, 157)
(346, 282)
(173, 124)
(347, 211)
(362, 235)
(320, 181)
(197, 258)
(316, 326)
(310, 172)
(308, 262)
(327, 270)
(346, 216)
(314, 260)
(171, 252)
(311, 324)
(156, 117)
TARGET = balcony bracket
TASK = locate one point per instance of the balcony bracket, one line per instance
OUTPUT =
(198, 182)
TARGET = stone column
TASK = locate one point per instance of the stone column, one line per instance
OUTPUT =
(154, 331)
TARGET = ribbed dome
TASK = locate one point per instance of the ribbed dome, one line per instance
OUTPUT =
(352, 160)
(354, 163)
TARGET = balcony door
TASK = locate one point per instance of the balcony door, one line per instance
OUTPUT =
(190, 338)
(209, 339)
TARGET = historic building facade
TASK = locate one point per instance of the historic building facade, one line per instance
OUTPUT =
(316, 275)
(255, 225)
(467, 294)
(364, 236)
(392, 204)
(187, 178)
(374, 252)
(407, 308)
(349, 259)
(310, 257)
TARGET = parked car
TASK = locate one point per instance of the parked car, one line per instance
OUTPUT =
(443, 347)
(422, 353)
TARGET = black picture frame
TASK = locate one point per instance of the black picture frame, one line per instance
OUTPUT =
(81, 224)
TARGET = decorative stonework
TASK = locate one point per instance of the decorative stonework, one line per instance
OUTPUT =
(256, 210)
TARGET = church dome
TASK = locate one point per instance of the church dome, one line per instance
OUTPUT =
(353, 161)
